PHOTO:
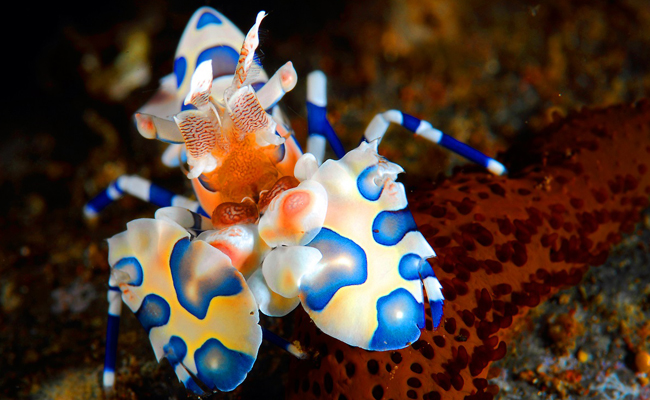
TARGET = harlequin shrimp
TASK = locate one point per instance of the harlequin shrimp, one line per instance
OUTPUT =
(272, 228)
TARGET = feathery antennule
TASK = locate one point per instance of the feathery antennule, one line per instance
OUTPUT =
(200, 86)
(201, 128)
(242, 103)
(252, 75)
(246, 55)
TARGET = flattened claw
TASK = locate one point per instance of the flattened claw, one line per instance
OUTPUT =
(371, 269)
(182, 291)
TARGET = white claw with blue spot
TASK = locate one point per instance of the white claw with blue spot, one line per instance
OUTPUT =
(195, 306)
(365, 262)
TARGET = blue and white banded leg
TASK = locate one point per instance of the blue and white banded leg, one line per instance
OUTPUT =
(112, 332)
(320, 130)
(284, 344)
(379, 124)
(142, 189)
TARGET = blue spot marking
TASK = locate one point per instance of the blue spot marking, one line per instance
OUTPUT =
(366, 184)
(220, 368)
(153, 312)
(409, 266)
(207, 18)
(159, 196)
(389, 227)
(345, 264)
(410, 122)
(426, 271)
(131, 261)
(180, 67)
(224, 60)
(400, 318)
(195, 293)
(175, 350)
